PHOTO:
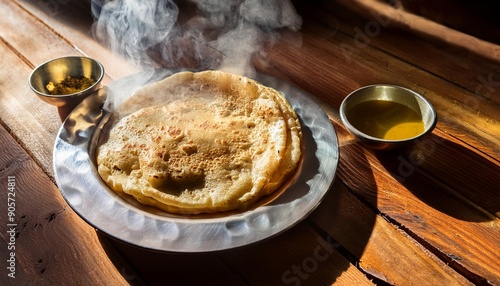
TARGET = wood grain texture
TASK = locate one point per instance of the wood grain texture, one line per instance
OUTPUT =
(33, 122)
(334, 67)
(22, 52)
(303, 256)
(297, 257)
(440, 195)
(464, 17)
(425, 215)
(379, 245)
(23, 129)
(432, 212)
(49, 235)
(472, 72)
(416, 24)
(73, 22)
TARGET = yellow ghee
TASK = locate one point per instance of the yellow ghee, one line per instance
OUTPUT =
(386, 120)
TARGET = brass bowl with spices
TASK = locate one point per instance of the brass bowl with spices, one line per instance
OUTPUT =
(64, 82)
(385, 117)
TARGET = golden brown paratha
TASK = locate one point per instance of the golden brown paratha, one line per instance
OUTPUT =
(293, 150)
(201, 143)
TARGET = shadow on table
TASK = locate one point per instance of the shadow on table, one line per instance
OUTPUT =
(347, 213)
(282, 260)
(317, 251)
(448, 177)
(311, 252)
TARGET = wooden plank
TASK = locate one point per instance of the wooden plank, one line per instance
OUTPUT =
(425, 203)
(37, 127)
(298, 256)
(33, 122)
(52, 245)
(326, 73)
(37, 43)
(382, 249)
(467, 60)
(73, 22)
(475, 18)
(141, 266)
(478, 75)
(435, 155)
(458, 231)
(21, 52)
(353, 273)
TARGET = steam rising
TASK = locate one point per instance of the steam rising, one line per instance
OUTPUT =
(196, 35)
(133, 27)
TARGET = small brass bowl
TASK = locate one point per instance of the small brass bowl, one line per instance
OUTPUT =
(385, 117)
(57, 70)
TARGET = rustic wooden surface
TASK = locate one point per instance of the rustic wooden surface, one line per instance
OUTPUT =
(427, 215)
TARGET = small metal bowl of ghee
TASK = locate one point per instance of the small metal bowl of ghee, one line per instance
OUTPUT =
(385, 117)
(66, 81)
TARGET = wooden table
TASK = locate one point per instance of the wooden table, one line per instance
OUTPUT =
(425, 215)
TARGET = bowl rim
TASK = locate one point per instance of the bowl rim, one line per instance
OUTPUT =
(363, 135)
(97, 81)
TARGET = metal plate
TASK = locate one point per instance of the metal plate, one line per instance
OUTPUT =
(90, 198)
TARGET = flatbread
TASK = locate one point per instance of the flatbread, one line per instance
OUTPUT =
(293, 149)
(201, 143)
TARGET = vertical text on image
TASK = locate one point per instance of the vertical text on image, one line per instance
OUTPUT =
(11, 226)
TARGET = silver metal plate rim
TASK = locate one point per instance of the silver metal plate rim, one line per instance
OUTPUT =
(88, 196)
